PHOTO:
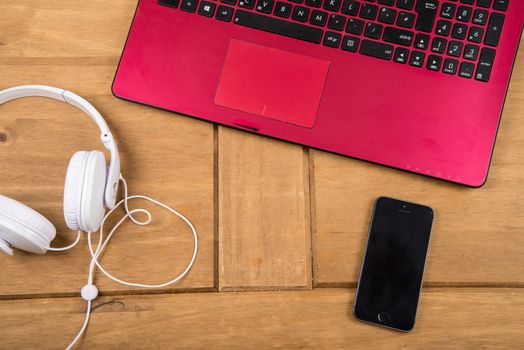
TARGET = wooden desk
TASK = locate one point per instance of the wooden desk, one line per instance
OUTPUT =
(281, 227)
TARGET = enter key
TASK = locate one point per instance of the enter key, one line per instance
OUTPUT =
(427, 12)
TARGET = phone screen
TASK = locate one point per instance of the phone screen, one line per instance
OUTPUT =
(393, 266)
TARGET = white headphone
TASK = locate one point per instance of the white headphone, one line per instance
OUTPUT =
(89, 186)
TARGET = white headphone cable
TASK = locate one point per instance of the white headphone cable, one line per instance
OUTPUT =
(90, 292)
(72, 245)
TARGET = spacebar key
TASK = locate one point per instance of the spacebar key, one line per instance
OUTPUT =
(375, 49)
(277, 26)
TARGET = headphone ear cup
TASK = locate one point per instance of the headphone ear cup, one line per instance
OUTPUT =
(72, 188)
(23, 227)
(84, 191)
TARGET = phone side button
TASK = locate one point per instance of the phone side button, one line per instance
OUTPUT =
(384, 317)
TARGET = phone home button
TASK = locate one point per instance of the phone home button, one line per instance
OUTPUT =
(384, 317)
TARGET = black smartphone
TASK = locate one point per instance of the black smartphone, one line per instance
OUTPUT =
(393, 266)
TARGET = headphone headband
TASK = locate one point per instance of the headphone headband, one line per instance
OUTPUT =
(80, 103)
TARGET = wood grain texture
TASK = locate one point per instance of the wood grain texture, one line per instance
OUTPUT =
(258, 190)
(263, 213)
(320, 319)
(477, 236)
(49, 30)
(163, 155)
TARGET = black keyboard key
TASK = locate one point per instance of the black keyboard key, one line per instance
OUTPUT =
(229, 2)
(265, 6)
(427, 11)
(405, 4)
(318, 18)
(386, 2)
(464, 13)
(207, 9)
(336, 22)
(466, 70)
(471, 52)
(332, 5)
(434, 63)
(484, 3)
(494, 29)
(421, 41)
(355, 26)
(439, 45)
(373, 30)
(224, 13)
(406, 20)
(450, 66)
(278, 26)
(369, 11)
(443, 27)
(459, 31)
(350, 43)
(417, 59)
(314, 3)
(401, 55)
(297, 1)
(332, 39)
(487, 56)
(501, 5)
(300, 14)
(469, 2)
(480, 17)
(376, 49)
(398, 36)
(350, 7)
(170, 3)
(283, 9)
(387, 15)
(475, 34)
(247, 4)
(189, 5)
(455, 48)
(448, 10)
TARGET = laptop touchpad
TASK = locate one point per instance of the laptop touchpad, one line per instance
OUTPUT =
(272, 83)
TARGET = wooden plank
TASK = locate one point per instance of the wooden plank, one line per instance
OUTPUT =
(477, 237)
(48, 29)
(264, 238)
(448, 318)
(77, 47)
(169, 158)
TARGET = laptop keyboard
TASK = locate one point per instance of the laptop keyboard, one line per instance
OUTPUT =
(453, 37)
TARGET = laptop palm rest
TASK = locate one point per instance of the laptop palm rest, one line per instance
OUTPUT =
(272, 83)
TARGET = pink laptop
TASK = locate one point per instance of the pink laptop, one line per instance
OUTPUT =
(417, 85)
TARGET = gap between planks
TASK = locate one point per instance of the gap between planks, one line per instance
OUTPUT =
(312, 211)
(351, 287)
(216, 208)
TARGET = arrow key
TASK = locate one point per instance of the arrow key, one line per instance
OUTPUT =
(421, 41)
(434, 63)
(417, 59)
(401, 55)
